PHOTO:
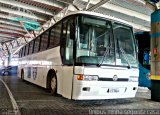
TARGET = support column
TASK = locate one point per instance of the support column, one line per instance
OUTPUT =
(155, 55)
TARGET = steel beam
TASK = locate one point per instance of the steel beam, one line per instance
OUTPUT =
(14, 30)
(11, 34)
(19, 13)
(2, 35)
(99, 4)
(10, 31)
(50, 3)
(3, 39)
(7, 48)
(6, 38)
(5, 26)
(11, 23)
(87, 6)
(26, 30)
(28, 7)
(122, 10)
(47, 24)
(66, 1)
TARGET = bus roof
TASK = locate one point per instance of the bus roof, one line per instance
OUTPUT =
(99, 15)
(91, 14)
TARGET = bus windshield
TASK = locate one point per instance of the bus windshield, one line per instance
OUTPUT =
(125, 45)
(96, 44)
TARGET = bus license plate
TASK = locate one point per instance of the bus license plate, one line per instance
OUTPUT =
(114, 90)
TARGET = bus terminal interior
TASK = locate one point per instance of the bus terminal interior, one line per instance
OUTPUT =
(79, 57)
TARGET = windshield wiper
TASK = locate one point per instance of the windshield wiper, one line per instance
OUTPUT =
(105, 53)
(123, 52)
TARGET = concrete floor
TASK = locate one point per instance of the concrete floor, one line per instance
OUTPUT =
(34, 100)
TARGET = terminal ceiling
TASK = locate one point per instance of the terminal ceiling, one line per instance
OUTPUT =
(22, 20)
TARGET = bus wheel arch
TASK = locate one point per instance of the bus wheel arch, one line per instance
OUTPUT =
(52, 81)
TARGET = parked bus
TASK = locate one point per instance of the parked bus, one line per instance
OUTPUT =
(144, 56)
(84, 56)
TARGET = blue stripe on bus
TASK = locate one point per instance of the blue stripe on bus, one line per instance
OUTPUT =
(155, 16)
(155, 35)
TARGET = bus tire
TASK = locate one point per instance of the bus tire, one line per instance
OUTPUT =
(22, 75)
(53, 85)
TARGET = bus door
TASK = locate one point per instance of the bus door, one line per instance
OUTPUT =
(66, 50)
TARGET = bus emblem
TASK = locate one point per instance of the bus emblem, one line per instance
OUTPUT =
(34, 72)
(115, 78)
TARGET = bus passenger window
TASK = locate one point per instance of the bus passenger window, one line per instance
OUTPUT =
(23, 51)
(26, 50)
(84, 37)
(36, 44)
(44, 40)
(55, 36)
(20, 53)
(69, 47)
(30, 47)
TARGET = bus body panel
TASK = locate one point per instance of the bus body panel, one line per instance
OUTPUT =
(100, 89)
(43, 61)
(67, 81)
(64, 74)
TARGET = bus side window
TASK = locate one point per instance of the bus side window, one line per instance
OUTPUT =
(69, 44)
(20, 53)
(84, 37)
(51, 38)
(63, 40)
(36, 44)
(26, 48)
(55, 34)
(44, 40)
(30, 47)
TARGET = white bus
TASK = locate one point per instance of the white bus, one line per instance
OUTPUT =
(84, 56)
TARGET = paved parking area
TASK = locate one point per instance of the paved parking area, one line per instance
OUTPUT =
(34, 100)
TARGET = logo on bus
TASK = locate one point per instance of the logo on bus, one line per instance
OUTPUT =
(34, 73)
(115, 78)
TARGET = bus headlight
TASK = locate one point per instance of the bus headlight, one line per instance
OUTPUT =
(87, 77)
(91, 77)
(133, 79)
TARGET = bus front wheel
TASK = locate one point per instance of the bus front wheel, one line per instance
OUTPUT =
(53, 85)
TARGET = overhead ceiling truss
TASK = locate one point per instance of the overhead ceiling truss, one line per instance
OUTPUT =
(28, 7)
(47, 12)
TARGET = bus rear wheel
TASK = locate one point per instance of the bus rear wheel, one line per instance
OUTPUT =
(53, 85)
